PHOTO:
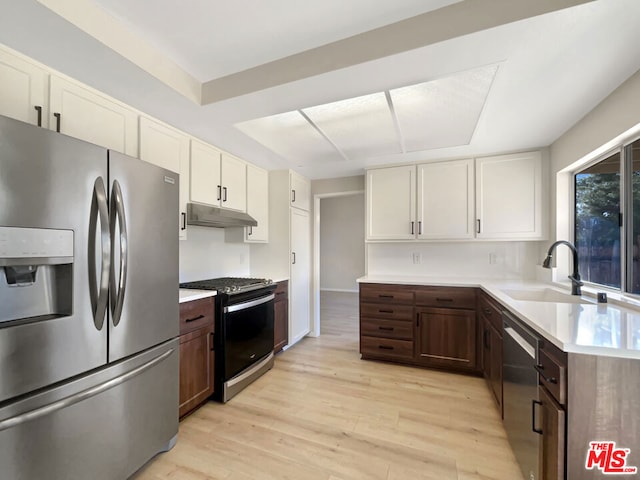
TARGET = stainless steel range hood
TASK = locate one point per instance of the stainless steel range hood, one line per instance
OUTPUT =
(206, 216)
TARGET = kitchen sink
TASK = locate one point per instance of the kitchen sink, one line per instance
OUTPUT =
(544, 295)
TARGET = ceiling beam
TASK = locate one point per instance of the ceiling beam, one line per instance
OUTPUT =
(456, 20)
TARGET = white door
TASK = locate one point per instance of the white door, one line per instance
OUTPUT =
(24, 90)
(86, 114)
(300, 283)
(509, 197)
(258, 204)
(300, 195)
(168, 148)
(445, 200)
(205, 174)
(233, 173)
(391, 203)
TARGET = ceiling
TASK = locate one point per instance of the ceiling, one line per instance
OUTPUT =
(217, 69)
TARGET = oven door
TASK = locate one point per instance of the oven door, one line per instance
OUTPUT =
(248, 333)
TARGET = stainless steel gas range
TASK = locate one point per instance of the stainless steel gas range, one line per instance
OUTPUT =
(243, 339)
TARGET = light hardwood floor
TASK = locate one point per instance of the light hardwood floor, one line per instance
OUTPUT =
(323, 413)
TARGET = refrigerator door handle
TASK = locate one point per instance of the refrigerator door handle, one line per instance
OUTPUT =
(99, 295)
(117, 292)
(82, 395)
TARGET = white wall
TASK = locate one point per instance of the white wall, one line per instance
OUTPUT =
(341, 242)
(206, 255)
(455, 259)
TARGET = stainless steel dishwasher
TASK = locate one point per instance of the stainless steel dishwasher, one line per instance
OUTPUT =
(520, 393)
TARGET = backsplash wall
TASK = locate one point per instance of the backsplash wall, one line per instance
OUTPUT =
(205, 254)
(470, 259)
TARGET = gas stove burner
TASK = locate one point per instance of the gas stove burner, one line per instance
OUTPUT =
(229, 285)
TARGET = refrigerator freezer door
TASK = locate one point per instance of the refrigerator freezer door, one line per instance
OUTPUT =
(103, 426)
(47, 181)
(144, 284)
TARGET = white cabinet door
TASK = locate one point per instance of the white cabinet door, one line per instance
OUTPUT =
(300, 191)
(233, 173)
(391, 203)
(205, 174)
(300, 283)
(445, 200)
(83, 113)
(258, 204)
(168, 148)
(509, 202)
(23, 90)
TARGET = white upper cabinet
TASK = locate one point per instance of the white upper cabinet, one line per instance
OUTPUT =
(24, 90)
(233, 176)
(391, 203)
(300, 191)
(258, 204)
(509, 197)
(445, 200)
(205, 174)
(84, 113)
(167, 147)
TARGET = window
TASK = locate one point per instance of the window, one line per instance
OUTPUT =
(607, 220)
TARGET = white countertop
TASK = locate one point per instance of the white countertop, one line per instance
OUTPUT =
(608, 329)
(188, 295)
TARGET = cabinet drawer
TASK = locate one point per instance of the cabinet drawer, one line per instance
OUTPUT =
(382, 347)
(196, 314)
(386, 312)
(376, 293)
(455, 297)
(386, 328)
(552, 375)
(490, 311)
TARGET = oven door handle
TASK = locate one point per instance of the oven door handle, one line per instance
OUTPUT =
(249, 304)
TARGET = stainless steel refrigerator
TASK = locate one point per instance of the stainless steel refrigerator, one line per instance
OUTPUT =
(88, 308)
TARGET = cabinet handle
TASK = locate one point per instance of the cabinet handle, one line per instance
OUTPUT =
(194, 318)
(533, 416)
(444, 299)
(293, 196)
(478, 230)
(388, 329)
(539, 369)
(219, 192)
(39, 110)
(211, 339)
(224, 194)
(385, 296)
(280, 293)
(184, 221)
(412, 227)
(385, 311)
(294, 258)
(250, 230)
(420, 227)
(58, 121)
(487, 311)
(385, 347)
(485, 336)
(417, 319)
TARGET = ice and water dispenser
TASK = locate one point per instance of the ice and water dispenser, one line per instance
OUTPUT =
(36, 274)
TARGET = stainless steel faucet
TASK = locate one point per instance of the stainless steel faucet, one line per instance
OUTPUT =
(575, 277)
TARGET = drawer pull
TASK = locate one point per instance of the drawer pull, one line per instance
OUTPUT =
(385, 347)
(487, 311)
(444, 299)
(385, 311)
(539, 369)
(188, 320)
(385, 296)
(280, 293)
(388, 329)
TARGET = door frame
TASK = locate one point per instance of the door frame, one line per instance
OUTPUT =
(315, 284)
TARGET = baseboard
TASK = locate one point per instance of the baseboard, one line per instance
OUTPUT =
(342, 290)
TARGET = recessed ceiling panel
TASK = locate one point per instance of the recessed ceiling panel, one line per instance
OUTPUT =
(444, 112)
(291, 136)
(360, 127)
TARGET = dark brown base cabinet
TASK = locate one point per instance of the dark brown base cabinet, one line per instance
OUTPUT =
(281, 316)
(490, 318)
(196, 353)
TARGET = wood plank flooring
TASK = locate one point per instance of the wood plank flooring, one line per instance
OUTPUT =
(322, 413)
